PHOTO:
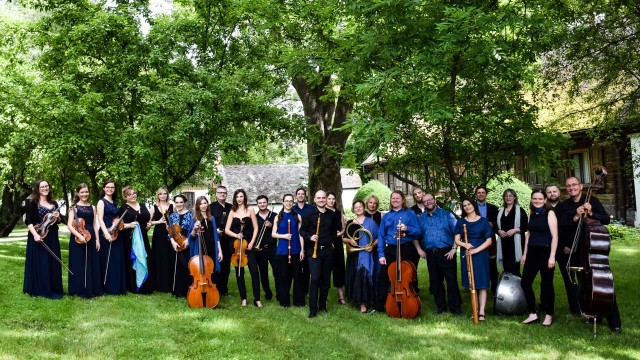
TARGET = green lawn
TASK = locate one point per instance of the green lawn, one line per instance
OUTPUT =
(161, 326)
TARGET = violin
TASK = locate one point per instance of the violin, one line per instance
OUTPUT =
(49, 219)
(78, 225)
(403, 301)
(239, 256)
(595, 286)
(117, 225)
(203, 292)
(175, 231)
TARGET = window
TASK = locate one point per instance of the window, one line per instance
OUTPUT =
(582, 166)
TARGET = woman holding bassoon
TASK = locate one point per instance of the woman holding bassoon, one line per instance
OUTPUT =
(479, 235)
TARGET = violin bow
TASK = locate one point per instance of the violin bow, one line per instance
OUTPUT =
(55, 257)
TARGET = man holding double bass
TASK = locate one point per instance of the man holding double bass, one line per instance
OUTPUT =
(318, 230)
(569, 213)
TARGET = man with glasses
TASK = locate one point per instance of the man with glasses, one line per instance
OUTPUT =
(220, 210)
(571, 210)
(438, 230)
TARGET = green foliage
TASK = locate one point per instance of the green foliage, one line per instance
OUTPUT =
(507, 181)
(375, 187)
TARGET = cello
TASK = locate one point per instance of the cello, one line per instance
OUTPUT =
(403, 301)
(595, 280)
(203, 292)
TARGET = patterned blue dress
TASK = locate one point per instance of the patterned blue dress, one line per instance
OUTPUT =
(84, 261)
(477, 232)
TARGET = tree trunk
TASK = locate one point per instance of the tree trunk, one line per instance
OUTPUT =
(325, 140)
(11, 210)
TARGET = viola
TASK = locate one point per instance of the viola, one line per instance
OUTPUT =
(595, 286)
(239, 256)
(118, 224)
(78, 225)
(175, 231)
(203, 292)
(403, 301)
(49, 219)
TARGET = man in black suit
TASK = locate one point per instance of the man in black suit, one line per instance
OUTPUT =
(490, 212)
(220, 210)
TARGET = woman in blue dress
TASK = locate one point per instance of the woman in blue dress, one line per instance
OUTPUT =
(479, 234)
(289, 253)
(83, 252)
(42, 272)
(112, 254)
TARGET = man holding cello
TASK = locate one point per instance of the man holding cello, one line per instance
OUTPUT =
(569, 213)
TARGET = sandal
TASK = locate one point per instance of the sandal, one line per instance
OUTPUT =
(481, 317)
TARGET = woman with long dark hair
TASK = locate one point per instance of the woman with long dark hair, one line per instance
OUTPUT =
(112, 254)
(183, 217)
(244, 225)
(84, 261)
(337, 264)
(42, 272)
(203, 220)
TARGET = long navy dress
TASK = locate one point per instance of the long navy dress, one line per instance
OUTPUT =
(143, 217)
(42, 273)
(83, 259)
(478, 232)
(113, 257)
(162, 253)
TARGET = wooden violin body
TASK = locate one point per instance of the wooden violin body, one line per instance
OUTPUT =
(176, 234)
(49, 219)
(79, 225)
(239, 256)
(117, 225)
(203, 292)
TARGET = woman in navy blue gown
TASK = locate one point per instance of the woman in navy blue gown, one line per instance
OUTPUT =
(112, 254)
(162, 252)
(479, 233)
(181, 279)
(83, 252)
(42, 273)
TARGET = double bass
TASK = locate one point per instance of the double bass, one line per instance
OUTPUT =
(593, 242)
(203, 292)
(403, 301)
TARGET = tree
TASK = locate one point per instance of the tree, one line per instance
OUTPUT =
(447, 100)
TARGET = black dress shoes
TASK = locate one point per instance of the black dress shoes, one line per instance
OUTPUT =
(617, 330)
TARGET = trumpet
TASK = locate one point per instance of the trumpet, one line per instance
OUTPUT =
(357, 234)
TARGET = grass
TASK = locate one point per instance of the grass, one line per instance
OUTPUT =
(161, 326)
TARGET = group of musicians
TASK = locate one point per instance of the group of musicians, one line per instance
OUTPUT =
(304, 244)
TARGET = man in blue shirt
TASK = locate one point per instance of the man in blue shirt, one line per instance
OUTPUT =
(387, 243)
(438, 230)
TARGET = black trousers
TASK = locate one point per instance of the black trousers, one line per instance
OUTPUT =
(384, 284)
(536, 261)
(306, 276)
(290, 272)
(265, 257)
(493, 273)
(320, 272)
(569, 281)
(442, 269)
(255, 277)
(222, 278)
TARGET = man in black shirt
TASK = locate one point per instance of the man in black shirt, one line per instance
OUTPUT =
(569, 213)
(318, 230)
(220, 210)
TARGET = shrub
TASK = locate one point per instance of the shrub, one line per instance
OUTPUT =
(378, 189)
(503, 182)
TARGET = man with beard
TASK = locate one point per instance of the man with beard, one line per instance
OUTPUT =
(302, 208)
(553, 195)
(418, 207)
(575, 207)
(490, 212)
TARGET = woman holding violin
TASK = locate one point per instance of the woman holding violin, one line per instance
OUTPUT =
(162, 252)
(42, 271)
(540, 256)
(84, 245)
(243, 228)
(479, 235)
(184, 219)
(289, 253)
(112, 254)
